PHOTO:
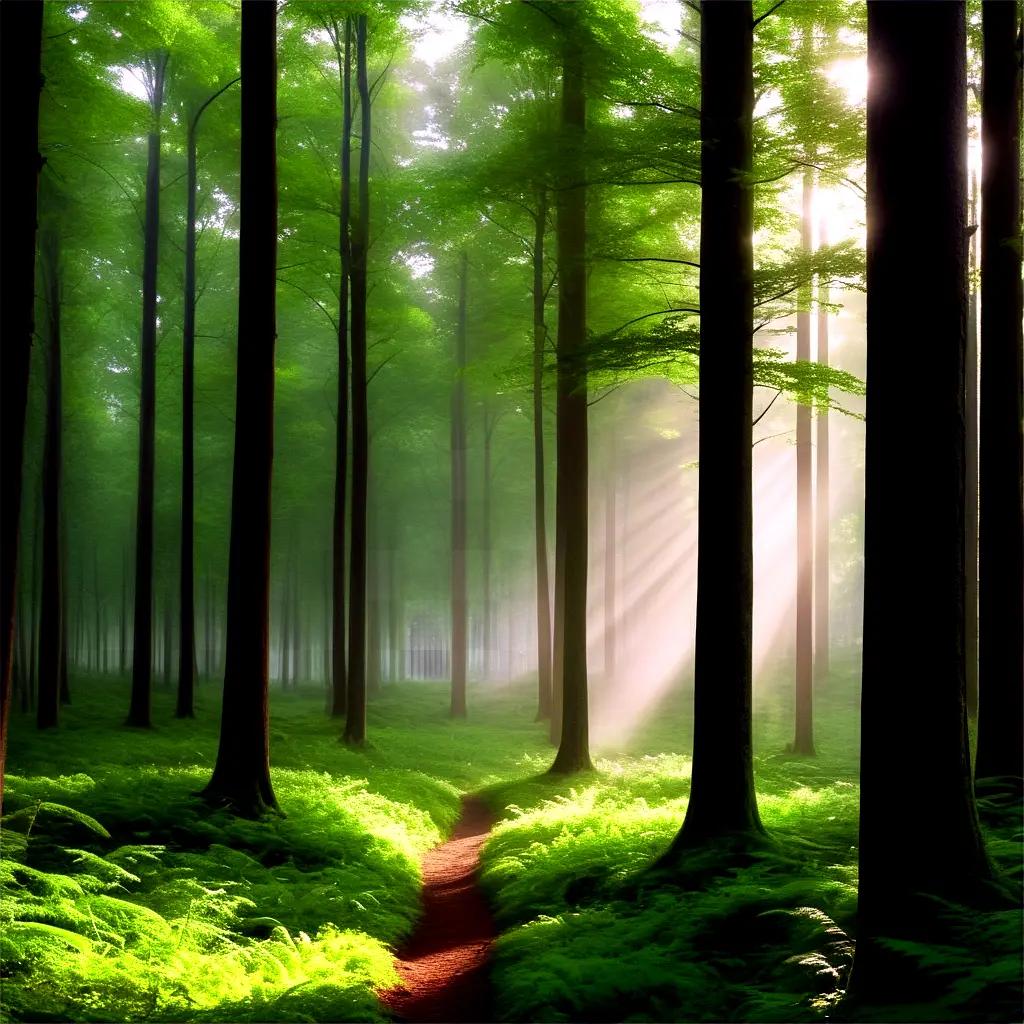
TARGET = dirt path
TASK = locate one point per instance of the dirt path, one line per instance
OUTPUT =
(443, 965)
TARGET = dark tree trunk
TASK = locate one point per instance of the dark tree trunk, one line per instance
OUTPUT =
(458, 498)
(539, 469)
(241, 777)
(21, 27)
(913, 711)
(803, 742)
(52, 632)
(339, 683)
(722, 798)
(971, 481)
(822, 501)
(571, 485)
(142, 648)
(1001, 611)
(355, 711)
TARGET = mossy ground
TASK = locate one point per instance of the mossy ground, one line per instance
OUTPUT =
(145, 904)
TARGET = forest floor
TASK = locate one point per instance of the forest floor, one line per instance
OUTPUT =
(443, 965)
(124, 898)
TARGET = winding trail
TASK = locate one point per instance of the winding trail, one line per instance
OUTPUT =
(443, 965)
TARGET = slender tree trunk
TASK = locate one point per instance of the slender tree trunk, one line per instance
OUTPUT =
(539, 469)
(485, 542)
(51, 608)
(610, 554)
(355, 711)
(296, 642)
(33, 675)
(284, 631)
(822, 499)
(168, 647)
(574, 746)
(21, 27)
(1001, 611)
(241, 777)
(913, 710)
(142, 648)
(803, 742)
(339, 683)
(722, 798)
(971, 481)
(123, 637)
(458, 492)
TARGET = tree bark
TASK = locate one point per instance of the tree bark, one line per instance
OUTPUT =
(142, 648)
(971, 481)
(52, 632)
(803, 742)
(338, 666)
(822, 500)
(913, 711)
(21, 27)
(539, 468)
(458, 498)
(241, 777)
(1001, 521)
(571, 485)
(722, 797)
(355, 712)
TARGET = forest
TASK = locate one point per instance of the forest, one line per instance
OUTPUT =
(512, 510)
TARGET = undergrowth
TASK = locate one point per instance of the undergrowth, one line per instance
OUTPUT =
(125, 898)
(592, 934)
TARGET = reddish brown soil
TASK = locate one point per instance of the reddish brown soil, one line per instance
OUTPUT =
(443, 966)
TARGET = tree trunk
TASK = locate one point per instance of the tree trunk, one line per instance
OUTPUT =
(722, 798)
(355, 711)
(485, 543)
(822, 500)
(803, 742)
(241, 777)
(571, 484)
(458, 498)
(142, 648)
(21, 27)
(1001, 700)
(913, 712)
(971, 481)
(338, 666)
(51, 608)
(539, 469)
(610, 553)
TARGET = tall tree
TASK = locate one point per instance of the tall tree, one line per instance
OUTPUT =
(355, 712)
(154, 72)
(571, 230)
(822, 499)
(52, 624)
(343, 52)
(21, 27)
(1001, 520)
(186, 608)
(803, 742)
(913, 709)
(722, 798)
(241, 777)
(459, 601)
(539, 469)
(971, 462)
